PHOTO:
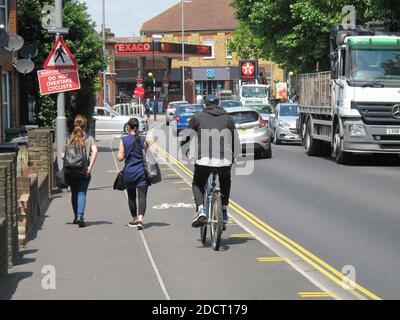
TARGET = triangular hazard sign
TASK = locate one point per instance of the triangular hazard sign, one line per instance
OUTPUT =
(60, 57)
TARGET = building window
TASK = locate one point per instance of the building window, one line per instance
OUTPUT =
(5, 86)
(228, 50)
(3, 13)
(210, 43)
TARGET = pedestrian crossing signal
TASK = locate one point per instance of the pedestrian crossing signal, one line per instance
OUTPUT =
(60, 57)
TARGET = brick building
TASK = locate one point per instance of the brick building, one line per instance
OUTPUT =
(10, 104)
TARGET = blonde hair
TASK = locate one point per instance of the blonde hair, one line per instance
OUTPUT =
(78, 132)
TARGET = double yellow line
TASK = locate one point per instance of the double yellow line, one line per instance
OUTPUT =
(330, 272)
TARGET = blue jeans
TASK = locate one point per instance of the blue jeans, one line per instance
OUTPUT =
(79, 188)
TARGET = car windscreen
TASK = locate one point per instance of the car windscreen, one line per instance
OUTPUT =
(230, 104)
(289, 110)
(189, 109)
(244, 116)
(262, 109)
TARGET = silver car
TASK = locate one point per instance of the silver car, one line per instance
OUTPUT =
(169, 112)
(252, 131)
(108, 120)
(265, 110)
(283, 125)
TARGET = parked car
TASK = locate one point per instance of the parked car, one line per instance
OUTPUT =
(108, 120)
(226, 104)
(183, 115)
(169, 112)
(282, 125)
(252, 131)
(265, 110)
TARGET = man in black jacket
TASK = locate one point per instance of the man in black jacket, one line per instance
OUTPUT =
(217, 147)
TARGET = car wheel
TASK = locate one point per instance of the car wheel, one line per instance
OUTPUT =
(126, 128)
(167, 123)
(277, 141)
(268, 153)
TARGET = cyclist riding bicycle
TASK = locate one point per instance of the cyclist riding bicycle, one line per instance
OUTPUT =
(217, 147)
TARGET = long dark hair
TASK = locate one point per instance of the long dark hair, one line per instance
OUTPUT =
(78, 132)
(133, 125)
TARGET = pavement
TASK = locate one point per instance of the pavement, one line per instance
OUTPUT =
(109, 260)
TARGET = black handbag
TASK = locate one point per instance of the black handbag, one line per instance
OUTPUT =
(61, 180)
(151, 167)
(119, 183)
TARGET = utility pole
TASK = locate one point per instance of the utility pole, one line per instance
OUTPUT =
(183, 53)
(61, 121)
(105, 54)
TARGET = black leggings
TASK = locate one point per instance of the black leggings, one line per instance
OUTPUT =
(200, 179)
(142, 199)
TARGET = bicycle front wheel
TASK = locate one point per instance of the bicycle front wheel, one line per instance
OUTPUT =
(216, 224)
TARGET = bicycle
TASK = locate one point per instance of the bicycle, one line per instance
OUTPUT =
(213, 207)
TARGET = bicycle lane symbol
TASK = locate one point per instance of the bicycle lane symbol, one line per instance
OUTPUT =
(165, 206)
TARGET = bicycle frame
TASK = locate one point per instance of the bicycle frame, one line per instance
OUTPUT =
(211, 190)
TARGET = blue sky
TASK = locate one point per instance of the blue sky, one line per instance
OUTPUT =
(125, 17)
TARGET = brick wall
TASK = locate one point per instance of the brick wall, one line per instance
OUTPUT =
(3, 223)
(9, 160)
(41, 153)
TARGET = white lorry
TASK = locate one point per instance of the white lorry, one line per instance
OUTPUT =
(254, 93)
(354, 108)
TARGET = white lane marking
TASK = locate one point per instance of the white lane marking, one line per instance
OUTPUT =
(153, 264)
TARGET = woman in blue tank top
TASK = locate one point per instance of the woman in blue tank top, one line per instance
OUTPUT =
(135, 179)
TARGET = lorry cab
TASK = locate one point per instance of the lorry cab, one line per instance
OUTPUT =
(254, 93)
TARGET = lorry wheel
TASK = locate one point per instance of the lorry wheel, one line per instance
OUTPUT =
(277, 141)
(167, 123)
(312, 146)
(340, 156)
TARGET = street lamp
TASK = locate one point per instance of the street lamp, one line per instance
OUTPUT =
(153, 74)
(183, 49)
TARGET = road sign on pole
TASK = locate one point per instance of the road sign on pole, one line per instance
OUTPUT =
(60, 57)
(56, 81)
(139, 92)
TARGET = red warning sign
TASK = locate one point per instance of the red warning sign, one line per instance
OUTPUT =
(55, 81)
(60, 57)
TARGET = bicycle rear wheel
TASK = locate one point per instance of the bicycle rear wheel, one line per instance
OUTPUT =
(203, 233)
(216, 224)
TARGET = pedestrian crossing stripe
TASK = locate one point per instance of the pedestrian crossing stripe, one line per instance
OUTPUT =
(60, 57)
(172, 175)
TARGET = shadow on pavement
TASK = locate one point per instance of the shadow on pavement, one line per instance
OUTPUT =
(100, 188)
(226, 243)
(96, 223)
(155, 224)
(106, 149)
(10, 285)
(376, 160)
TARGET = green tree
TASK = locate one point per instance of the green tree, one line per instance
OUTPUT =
(86, 46)
(295, 33)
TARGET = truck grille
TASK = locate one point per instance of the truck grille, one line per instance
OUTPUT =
(376, 113)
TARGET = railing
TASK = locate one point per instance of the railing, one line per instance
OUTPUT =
(127, 109)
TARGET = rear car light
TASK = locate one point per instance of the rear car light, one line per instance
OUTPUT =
(177, 118)
(262, 123)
